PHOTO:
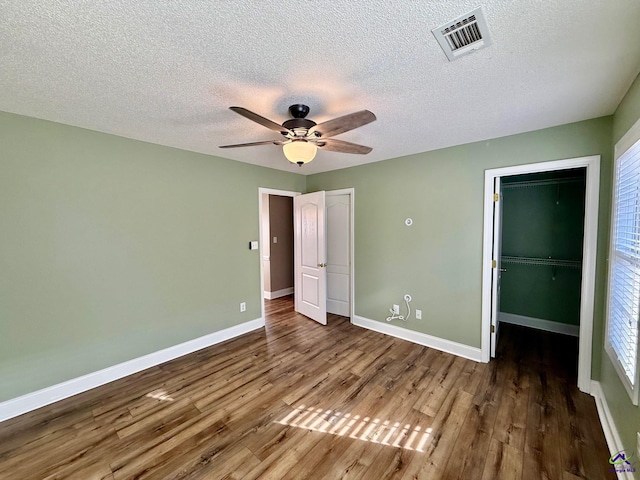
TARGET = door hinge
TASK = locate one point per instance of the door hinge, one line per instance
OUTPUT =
(493, 329)
(496, 197)
(494, 264)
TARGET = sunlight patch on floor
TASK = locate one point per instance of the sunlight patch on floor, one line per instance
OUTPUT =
(161, 395)
(374, 430)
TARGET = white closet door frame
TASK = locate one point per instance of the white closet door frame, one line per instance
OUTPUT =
(496, 272)
(592, 192)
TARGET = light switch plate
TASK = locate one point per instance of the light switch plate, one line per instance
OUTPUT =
(253, 245)
(275, 239)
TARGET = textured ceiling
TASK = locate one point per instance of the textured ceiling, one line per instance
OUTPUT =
(167, 71)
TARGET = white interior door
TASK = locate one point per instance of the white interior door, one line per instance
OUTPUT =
(338, 254)
(310, 256)
(496, 271)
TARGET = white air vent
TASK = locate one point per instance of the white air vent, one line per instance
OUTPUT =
(463, 35)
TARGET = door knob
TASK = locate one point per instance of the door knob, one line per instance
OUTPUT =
(322, 265)
(503, 269)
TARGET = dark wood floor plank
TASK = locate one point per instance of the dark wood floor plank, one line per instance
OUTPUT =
(504, 462)
(212, 463)
(542, 459)
(472, 447)
(511, 422)
(138, 454)
(352, 464)
(320, 460)
(434, 444)
(286, 453)
(33, 439)
(470, 376)
(162, 420)
(440, 386)
(75, 450)
(589, 414)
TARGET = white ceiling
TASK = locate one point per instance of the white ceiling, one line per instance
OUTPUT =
(167, 71)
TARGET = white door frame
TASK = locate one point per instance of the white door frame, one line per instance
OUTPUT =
(352, 193)
(261, 192)
(285, 193)
(592, 191)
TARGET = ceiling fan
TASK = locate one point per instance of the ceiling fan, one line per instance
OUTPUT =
(302, 137)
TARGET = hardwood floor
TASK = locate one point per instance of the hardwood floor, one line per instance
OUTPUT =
(298, 400)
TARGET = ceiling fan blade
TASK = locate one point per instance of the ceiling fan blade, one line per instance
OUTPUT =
(343, 124)
(265, 122)
(334, 145)
(252, 144)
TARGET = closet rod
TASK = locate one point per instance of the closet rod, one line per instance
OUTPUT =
(553, 262)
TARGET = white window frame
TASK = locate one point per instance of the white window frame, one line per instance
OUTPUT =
(630, 140)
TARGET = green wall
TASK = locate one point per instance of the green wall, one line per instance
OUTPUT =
(113, 248)
(627, 112)
(543, 221)
(625, 415)
(438, 259)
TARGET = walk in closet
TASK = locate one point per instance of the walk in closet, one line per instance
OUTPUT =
(542, 241)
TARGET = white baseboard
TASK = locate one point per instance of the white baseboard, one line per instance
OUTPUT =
(278, 293)
(540, 324)
(448, 346)
(608, 426)
(32, 401)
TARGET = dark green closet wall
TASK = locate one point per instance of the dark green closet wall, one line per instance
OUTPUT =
(543, 221)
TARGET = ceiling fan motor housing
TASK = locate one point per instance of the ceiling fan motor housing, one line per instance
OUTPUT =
(295, 123)
(298, 112)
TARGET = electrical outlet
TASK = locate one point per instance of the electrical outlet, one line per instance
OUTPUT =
(418, 314)
(396, 309)
(243, 307)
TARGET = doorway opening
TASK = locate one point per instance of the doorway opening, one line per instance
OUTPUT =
(277, 245)
(544, 264)
(541, 265)
(322, 250)
(264, 228)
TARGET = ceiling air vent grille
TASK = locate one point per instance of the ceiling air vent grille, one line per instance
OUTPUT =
(463, 35)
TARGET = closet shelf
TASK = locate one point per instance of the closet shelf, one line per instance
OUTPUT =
(552, 262)
(542, 183)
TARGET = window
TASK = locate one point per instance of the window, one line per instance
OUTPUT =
(623, 308)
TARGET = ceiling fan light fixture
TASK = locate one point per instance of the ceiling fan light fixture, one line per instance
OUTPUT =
(299, 151)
